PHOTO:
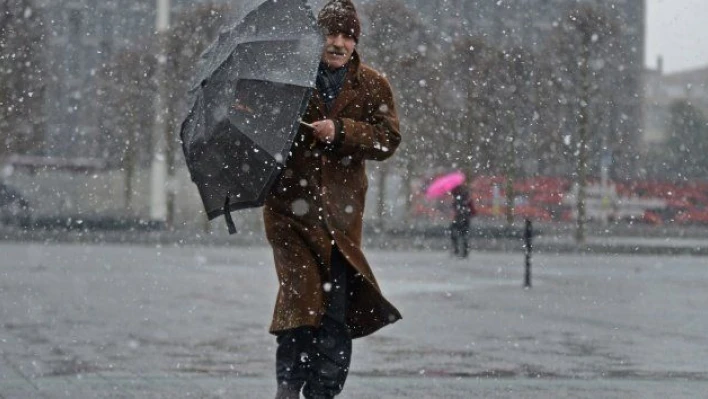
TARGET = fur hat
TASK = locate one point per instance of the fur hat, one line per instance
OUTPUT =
(340, 16)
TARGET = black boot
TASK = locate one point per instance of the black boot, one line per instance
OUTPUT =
(292, 366)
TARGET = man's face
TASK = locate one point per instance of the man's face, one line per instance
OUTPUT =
(338, 50)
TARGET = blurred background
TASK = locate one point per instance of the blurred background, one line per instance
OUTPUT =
(579, 115)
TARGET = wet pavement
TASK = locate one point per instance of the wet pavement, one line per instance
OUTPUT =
(129, 321)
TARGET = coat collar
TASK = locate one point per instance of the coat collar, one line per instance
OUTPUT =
(346, 95)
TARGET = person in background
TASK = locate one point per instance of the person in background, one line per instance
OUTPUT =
(460, 227)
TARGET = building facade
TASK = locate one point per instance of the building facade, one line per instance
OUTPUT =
(82, 37)
(661, 90)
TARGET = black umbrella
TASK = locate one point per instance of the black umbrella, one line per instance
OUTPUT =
(253, 85)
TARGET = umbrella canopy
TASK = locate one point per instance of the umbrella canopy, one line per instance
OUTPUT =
(444, 184)
(253, 84)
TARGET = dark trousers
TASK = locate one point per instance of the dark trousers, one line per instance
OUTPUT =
(316, 360)
(460, 234)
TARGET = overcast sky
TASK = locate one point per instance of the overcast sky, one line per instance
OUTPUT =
(677, 30)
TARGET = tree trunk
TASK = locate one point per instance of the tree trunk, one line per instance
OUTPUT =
(129, 172)
(583, 126)
(407, 182)
(129, 169)
(170, 152)
(510, 171)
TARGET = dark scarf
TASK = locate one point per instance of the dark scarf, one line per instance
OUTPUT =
(330, 83)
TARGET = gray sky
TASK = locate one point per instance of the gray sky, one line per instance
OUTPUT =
(677, 30)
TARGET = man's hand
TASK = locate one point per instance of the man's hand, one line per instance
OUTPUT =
(324, 130)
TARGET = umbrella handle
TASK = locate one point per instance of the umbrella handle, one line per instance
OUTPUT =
(311, 126)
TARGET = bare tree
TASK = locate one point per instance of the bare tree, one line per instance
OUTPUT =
(549, 121)
(467, 94)
(490, 92)
(579, 53)
(125, 92)
(395, 42)
(127, 89)
(191, 33)
(516, 91)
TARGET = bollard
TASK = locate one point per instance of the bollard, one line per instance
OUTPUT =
(528, 237)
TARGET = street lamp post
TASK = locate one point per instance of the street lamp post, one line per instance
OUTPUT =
(158, 175)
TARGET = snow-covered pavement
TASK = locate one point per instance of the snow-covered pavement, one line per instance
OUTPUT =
(112, 321)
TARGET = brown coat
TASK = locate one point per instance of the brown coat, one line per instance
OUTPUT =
(318, 202)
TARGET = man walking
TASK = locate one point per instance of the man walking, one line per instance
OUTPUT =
(313, 217)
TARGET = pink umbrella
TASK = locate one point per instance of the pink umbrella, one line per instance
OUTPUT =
(444, 184)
